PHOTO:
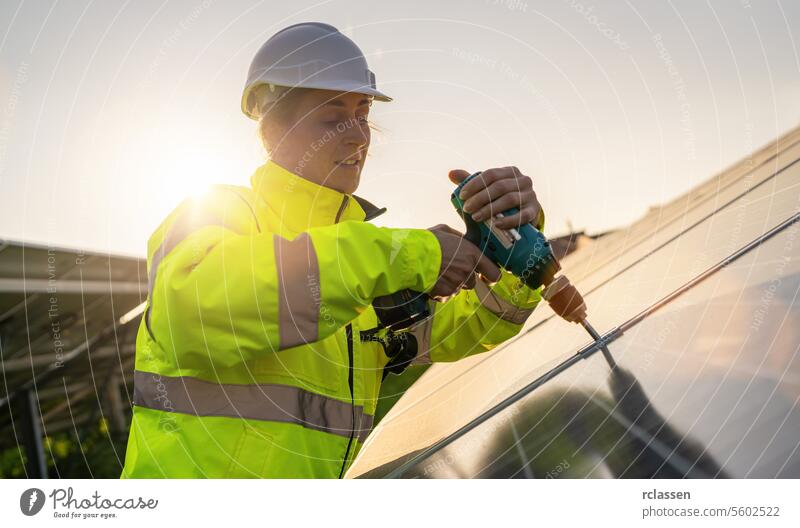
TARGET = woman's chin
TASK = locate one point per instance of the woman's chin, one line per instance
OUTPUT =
(345, 178)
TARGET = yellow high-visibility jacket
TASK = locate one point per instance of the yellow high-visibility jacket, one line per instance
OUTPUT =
(249, 361)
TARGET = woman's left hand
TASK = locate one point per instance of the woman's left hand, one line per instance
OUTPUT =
(497, 190)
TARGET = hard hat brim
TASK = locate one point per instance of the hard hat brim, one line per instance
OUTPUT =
(344, 87)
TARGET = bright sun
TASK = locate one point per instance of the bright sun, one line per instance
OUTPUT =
(186, 163)
(193, 171)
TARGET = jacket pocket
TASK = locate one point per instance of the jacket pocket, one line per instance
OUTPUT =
(320, 366)
(250, 454)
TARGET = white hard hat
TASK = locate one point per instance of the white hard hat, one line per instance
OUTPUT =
(307, 55)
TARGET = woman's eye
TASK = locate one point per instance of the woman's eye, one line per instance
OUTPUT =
(344, 121)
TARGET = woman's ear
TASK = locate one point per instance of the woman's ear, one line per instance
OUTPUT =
(263, 134)
(271, 131)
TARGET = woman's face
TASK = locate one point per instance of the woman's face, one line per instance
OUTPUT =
(325, 139)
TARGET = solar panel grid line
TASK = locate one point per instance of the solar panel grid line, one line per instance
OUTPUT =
(710, 271)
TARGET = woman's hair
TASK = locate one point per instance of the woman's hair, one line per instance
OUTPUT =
(279, 113)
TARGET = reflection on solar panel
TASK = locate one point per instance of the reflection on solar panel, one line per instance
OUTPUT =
(698, 302)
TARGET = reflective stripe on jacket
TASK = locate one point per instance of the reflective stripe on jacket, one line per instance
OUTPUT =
(248, 358)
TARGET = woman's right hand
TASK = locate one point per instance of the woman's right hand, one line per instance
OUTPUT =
(460, 260)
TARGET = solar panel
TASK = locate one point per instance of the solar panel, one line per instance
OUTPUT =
(624, 274)
(66, 349)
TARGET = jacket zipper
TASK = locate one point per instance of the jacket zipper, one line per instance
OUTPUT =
(349, 332)
(341, 209)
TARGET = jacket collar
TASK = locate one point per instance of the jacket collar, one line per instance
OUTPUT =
(301, 204)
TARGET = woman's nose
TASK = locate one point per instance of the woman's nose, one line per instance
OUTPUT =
(356, 134)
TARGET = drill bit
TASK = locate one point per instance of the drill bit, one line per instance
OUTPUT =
(606, 353)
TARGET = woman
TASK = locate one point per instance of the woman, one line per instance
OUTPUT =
(257, 355)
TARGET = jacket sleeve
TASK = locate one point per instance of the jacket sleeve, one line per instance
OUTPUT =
(477, 320)
(221, 289)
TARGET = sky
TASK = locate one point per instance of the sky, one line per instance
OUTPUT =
(111, 112)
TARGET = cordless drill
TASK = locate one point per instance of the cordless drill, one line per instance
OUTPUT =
(523, 251)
